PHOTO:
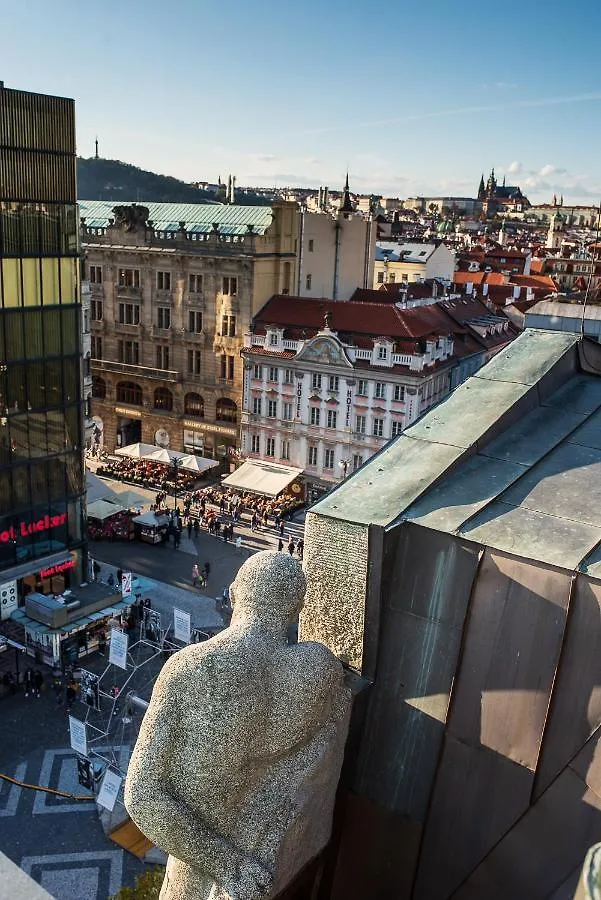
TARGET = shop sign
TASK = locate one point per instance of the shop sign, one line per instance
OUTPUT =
(109, 790)
(181, 625)
(131, 413)
(118, 648)
(56, 570)
(77, 732)
(26, 529)
(349, 404)
(217, 429)
(126, 584)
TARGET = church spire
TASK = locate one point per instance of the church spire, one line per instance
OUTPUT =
(346, 206)
(481, 188)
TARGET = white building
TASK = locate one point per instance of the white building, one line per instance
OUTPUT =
(412, 262)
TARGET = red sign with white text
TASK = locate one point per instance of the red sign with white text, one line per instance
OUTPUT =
(25, 529)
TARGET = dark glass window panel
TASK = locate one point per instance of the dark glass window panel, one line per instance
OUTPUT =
(54, 383)
(21, 491)
(36, 385)
(56, 477)
(71, 379)
(74, 471)
(70, 329)
(34, 334)
(38, 445)
(38, 474)
(14, 335)
(16, 388)
(72, 427)
(5, 485)
(52, 331)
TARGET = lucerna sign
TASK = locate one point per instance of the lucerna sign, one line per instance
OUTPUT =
(26, 529)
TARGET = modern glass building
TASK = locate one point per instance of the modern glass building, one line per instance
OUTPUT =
(42, 536)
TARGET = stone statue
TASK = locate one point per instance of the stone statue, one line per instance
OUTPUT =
(236, 766)
(130, 217)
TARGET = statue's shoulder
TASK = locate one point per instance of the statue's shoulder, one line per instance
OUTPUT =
(206, 662)
(318, 656)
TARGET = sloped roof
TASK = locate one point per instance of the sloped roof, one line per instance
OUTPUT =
(511, 459)
(404, 252)
(197, 217)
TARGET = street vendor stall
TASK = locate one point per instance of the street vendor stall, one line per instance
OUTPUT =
(151, 527)
(109, 521)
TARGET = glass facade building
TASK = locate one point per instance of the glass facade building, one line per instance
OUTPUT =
(42, 479)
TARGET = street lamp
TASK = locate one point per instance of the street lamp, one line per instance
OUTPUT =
(176, 463)
(344, 464)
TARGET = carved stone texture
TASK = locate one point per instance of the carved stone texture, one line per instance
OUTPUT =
(236, 766)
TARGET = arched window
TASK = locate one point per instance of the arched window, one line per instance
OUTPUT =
(163, 399)
(129, 392)
(227, 411)
(98, 387)
(194, 405)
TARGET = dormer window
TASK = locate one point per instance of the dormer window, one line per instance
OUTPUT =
(382, 352)
(273, 338)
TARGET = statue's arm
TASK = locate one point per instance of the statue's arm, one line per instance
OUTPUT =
(164, 816)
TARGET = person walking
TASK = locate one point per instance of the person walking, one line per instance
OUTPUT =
(38, 682)
(195, 575)
(207, 568)
(28, 682)
(102, 643)
(71, 694)
(300, 548)
(291, 547)
(282, 526)
(95, 569)
(280, 545)
(119, 578)
(196, 528)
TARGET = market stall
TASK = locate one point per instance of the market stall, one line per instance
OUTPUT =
(151, 527)
(109, 521)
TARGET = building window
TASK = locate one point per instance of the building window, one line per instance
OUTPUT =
(164, 317)
(96, 310)
(316, 381)
(163, 281)
(360, 424)
(163, 399)
(362, 388)
(194, 405)
(315, 415)
(86, 366)
(274, 373)
(378, 427)
(162, 356)
(195, 321)
(380, 391)
(129, 352)
(357, 461)
(128, 392)
(311, 245)
(195, 284)
(228, 326)
(258, 372)
(129, 278)
(382, 352)
(96, 347)
(272, 408)
(256, 406)
(227, 367)
(273, 338)
(332, 418)
(397, 427)
(98, 387)
(270, 447)
(333, 383)
(391, 278)
(194, 362)
(288, 376)
(328, 459)
(312, 456)
(308, 281)
(255, 443)
(380, 277)
(230, 286)
(96, 274)
(285, 454)
(287, 412)
(226, 411)
(399, 392)
(129, 314)
(405, 277)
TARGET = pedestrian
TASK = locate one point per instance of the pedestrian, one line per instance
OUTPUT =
(28, 681)
(195, 575)
(196, 528)
(96, 569)
(300, 548)
(57, 687)
(238, 544)
(38, 682)
(111, 580)
(119, 577)
(291, 547)
(102, 643)
(208, 569)
(71, 694)
(280, 545)
(282, 526)
(9, 682)
(202, 579)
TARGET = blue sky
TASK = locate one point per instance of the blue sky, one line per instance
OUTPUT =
(411, 97)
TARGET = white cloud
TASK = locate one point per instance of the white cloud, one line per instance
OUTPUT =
(514, 167)
(547, 170)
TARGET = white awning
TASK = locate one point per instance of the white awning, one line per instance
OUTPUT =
(199, 464)
(102, 509)
(266, 478)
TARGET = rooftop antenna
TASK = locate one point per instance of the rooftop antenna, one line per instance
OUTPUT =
(96, 153)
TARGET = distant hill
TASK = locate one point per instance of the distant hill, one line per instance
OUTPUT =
(110, 179)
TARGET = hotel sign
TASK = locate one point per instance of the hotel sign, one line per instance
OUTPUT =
(125, 411)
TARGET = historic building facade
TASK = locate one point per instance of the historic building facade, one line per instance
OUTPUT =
(173, 290)
(327, 384)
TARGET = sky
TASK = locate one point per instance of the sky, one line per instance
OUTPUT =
(412, 98)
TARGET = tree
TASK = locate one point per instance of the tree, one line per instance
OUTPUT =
(147, 886)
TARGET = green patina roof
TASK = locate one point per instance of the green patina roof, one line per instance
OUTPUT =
(198, 217)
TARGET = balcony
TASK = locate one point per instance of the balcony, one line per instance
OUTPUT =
(128, 290)
(119, 368)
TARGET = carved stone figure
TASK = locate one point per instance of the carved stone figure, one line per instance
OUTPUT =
(130, 217)
(236, 766)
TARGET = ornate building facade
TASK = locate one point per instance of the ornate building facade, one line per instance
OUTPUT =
(173, 290)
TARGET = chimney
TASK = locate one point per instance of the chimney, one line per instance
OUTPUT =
(485, 289)
(326, 197)
(320, 199)
(516, 292)
(469, 287)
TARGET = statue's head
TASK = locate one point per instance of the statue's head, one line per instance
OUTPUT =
(269, 586)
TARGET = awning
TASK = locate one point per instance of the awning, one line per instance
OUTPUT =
(102, 510)
(268, 479)
(34, 627)
(33, 566)
(97, 489)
